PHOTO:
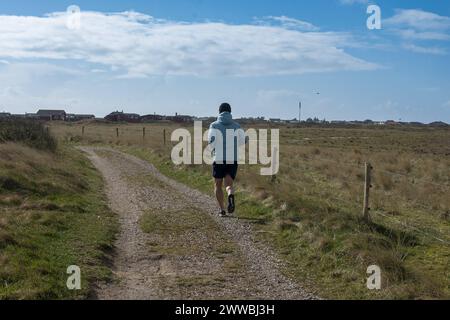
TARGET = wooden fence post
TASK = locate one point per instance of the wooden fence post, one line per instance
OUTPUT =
(82, 130)
(274, 163)
(367, 186)
(143, 132)
(164, 133)
(117, 132)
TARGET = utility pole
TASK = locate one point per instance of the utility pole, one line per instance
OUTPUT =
(300, 112)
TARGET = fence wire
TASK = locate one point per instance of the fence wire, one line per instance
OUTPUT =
(408, 226)
(360, 166)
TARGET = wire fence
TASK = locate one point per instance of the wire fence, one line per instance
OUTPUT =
(360, 166)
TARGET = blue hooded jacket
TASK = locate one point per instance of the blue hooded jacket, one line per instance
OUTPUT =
(224, 122)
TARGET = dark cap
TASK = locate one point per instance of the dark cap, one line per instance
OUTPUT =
(225, 107)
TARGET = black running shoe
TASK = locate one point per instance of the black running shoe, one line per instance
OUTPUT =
(222, 213)
(231, 205)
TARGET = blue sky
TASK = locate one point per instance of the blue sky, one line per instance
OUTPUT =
(261, 56)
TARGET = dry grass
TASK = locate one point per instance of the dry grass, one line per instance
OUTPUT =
(311, 211)
(50, 209)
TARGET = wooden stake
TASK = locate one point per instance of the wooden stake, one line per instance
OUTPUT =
(117, 132)
(367, 186)
(274, 162)
(143, 132)
(164, 133)
(82, 130)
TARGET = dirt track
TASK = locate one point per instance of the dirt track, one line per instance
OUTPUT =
(191, 253)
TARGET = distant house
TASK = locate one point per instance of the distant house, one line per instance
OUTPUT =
(206, 119)
(438, 124)
(251, 120)
(120, 116)
(31, 116)
(50, 115)
(340, 122)
(18, 116)
(180, 118)
(79, 117)
(5, 115)
(391, 122)
(152, 118)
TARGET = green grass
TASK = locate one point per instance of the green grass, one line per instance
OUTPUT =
(53, 214)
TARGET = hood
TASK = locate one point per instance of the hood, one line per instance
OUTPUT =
(225, 118)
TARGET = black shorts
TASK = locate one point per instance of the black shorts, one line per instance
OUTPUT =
(220, 171)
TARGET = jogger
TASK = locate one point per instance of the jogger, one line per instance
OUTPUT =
(222, 169)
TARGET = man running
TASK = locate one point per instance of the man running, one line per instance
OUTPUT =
(225, 166)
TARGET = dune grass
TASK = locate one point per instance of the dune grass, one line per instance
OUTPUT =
(311, 212)
(53, 214)
(31, 133)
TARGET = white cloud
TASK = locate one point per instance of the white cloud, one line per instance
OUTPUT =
(419, 20)
(138, 45)
(415, 26)
(288, 23)
(419, 25)
(410, 34)
(427, 50)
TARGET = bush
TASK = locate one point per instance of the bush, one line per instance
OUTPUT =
(31, 133)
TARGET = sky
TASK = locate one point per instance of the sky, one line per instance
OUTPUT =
(261, 56)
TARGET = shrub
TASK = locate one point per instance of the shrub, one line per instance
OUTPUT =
(31, 133)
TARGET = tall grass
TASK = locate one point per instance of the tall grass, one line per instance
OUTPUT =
(53, 214)
(30, 133)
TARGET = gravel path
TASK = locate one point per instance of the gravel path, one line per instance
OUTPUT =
(216, 258)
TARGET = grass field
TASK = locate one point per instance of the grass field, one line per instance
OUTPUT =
(53, 214)
(311, 212)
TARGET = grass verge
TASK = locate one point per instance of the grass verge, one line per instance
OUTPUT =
(53, 214)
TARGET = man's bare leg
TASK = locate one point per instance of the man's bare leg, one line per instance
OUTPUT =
(230, 192)
(219, 193)
(229, 185)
